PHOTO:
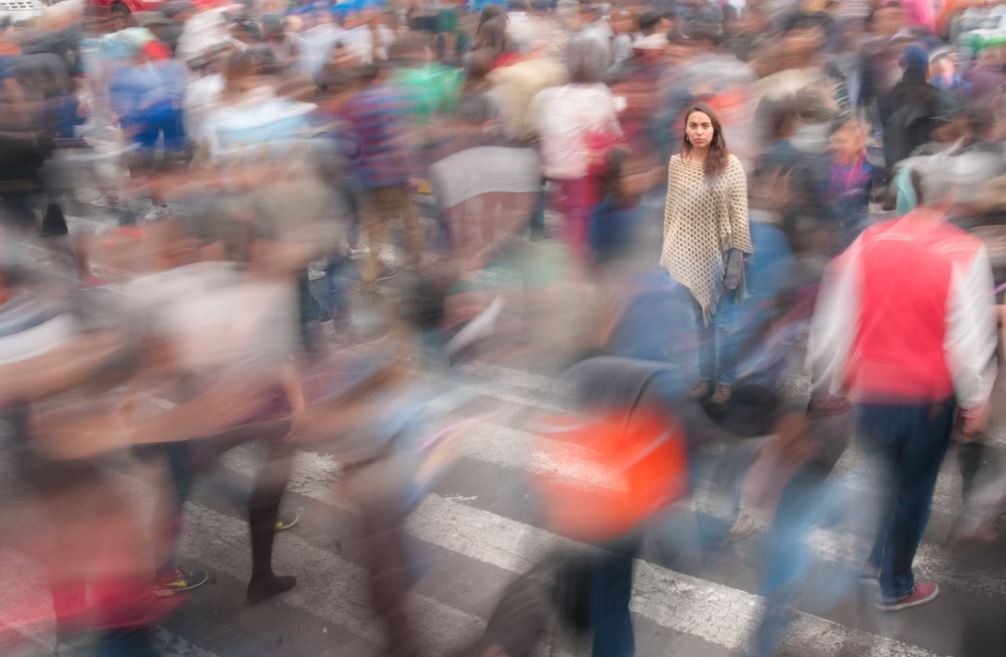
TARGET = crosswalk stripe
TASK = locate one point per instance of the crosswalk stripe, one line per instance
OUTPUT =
(329, 587)
(839, 547)
(491, 443)
(442, 522)
(716, 613)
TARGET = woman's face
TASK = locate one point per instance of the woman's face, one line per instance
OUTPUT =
(699, 129)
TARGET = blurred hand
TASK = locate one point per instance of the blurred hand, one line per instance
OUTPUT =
(734, 269)
(973, 421)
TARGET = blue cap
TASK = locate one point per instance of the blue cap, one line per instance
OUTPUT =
(915, 59)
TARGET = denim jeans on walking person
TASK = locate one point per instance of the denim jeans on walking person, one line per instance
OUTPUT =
(611, 592)
(909, 441)
(717, 344)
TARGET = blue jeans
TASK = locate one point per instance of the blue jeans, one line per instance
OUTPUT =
(909, 442)
(329, 292)
(611, 591)
(717, 343)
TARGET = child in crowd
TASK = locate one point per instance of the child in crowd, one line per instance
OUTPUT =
(851, 178)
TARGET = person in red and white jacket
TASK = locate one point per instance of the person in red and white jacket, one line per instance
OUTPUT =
(905, 327)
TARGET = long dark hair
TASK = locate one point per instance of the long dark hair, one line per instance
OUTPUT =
(716, 159)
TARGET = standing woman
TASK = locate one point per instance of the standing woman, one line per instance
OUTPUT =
(706, 236)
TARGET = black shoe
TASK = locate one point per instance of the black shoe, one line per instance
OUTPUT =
(260, 590)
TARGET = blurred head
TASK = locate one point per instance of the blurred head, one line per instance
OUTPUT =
(915, 62)
(410, 49)
(238, 70)
(623, 22)
(651, 48)
(802, 39)
(489, 13)
(179, 10)
(246, 31)
(943, 64)
(702, 35)
(848, 141)
(273, 27)
(373, 18)
(587, 60)
(493, 36)
(589, 12)
(679, 49)
(850, 35)
(782, 119)
(977, 121)
(935, 185)
(649, 22)
(815, 105)
(886, 21)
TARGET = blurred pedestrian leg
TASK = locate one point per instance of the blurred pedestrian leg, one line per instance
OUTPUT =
(611, 592)
(380, 488)
(909, 441)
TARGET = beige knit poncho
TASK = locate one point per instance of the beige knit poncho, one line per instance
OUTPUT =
(702, 221)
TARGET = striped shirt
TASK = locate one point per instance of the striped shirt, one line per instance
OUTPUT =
(379, 117)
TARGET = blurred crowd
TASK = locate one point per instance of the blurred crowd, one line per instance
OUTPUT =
(755, 243)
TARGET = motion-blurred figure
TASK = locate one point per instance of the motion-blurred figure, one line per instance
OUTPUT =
(909, 344)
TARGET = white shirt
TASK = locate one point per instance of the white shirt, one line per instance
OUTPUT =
(564, 116)
(201, 98)
(360, 42)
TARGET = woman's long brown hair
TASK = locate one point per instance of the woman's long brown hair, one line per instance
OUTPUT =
(718, 155)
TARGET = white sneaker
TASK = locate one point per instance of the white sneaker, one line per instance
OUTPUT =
(355, 253)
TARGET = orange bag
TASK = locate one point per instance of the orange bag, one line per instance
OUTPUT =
(640, 465)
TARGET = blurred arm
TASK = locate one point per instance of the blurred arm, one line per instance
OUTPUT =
(834, 324)
(971, 332)
(58, 369)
